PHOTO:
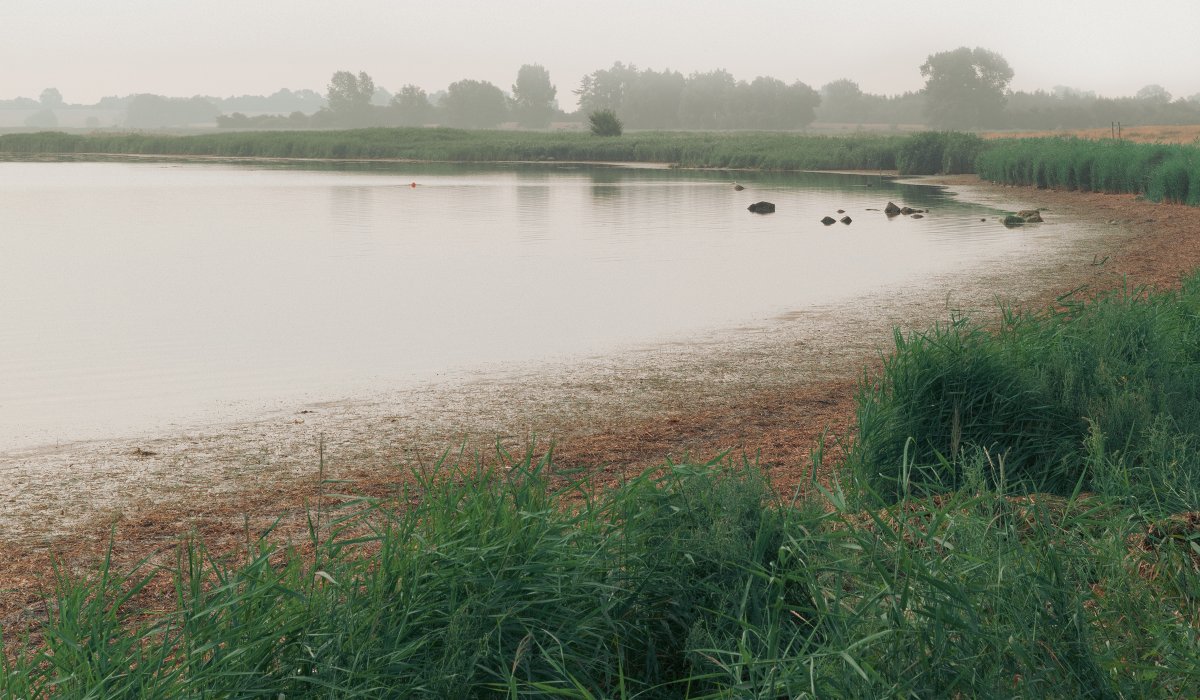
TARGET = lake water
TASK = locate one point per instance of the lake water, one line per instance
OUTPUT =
(140, 296)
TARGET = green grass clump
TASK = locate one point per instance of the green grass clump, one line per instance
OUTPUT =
(1059, 395)
(1177, 180)
(491, 583)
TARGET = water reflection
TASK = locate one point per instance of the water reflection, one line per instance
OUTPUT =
(136, 293)
(534, 207)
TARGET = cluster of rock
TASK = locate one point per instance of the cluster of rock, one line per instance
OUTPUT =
(1025, 216)
(892, 210)
(764, 207)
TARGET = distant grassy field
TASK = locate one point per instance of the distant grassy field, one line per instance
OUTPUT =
(1138, 134)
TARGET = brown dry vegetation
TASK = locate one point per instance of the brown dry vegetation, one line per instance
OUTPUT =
(1188, 133)
(610, 421)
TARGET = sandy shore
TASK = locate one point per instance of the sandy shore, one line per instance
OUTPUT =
(768, 391)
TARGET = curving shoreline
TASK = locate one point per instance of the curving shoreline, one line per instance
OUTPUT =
(771, 396)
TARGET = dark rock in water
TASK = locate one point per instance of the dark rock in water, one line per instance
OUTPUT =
(762, 208)
(1031, 216)
(983, 219)
(1012, 220)
(907, 210)
(891, 209)
(841, 211)
(829, 221)
(846, 220)
(737, 187)
(918, 216)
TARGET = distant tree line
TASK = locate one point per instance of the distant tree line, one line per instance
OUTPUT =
(353, 100)
(641, 99)
(965, 89)
(146, 110)
(648, 99)
(968, 89)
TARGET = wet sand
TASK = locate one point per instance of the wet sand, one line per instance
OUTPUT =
(768, 391)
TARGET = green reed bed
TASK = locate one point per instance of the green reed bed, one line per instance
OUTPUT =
(753, 150)
(1063, 398)
(687, 583)
(945, 152)
(493, 583)
(1162, 173)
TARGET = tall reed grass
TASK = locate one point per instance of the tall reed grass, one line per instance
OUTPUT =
(1162, 173)
(689, 582)
(1062, 398)
(949, 153)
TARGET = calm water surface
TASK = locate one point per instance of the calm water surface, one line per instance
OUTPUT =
(137, 296)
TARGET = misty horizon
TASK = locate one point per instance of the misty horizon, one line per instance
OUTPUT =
(568, 104)
(90, 51)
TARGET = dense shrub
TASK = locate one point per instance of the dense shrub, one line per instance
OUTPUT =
(605, 123)
(1045, 393)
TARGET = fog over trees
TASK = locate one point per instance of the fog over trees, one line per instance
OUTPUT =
(965, 88)
(534, 101)
(474, 104)
(648, 99)
(349, 98)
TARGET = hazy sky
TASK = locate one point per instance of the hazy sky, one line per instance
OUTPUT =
(89, 49)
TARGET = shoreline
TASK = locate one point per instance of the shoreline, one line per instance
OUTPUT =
(187, 158)
(769, 398)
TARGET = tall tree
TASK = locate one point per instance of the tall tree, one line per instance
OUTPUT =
(411, 106)
(965, 87)
(51, 97)
(474, 104)
(606, 88)
(652, 99)
(770, 103)
(1154, 93)
(842, 101)
(534, 97)
(350, 96)
(708, 100)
